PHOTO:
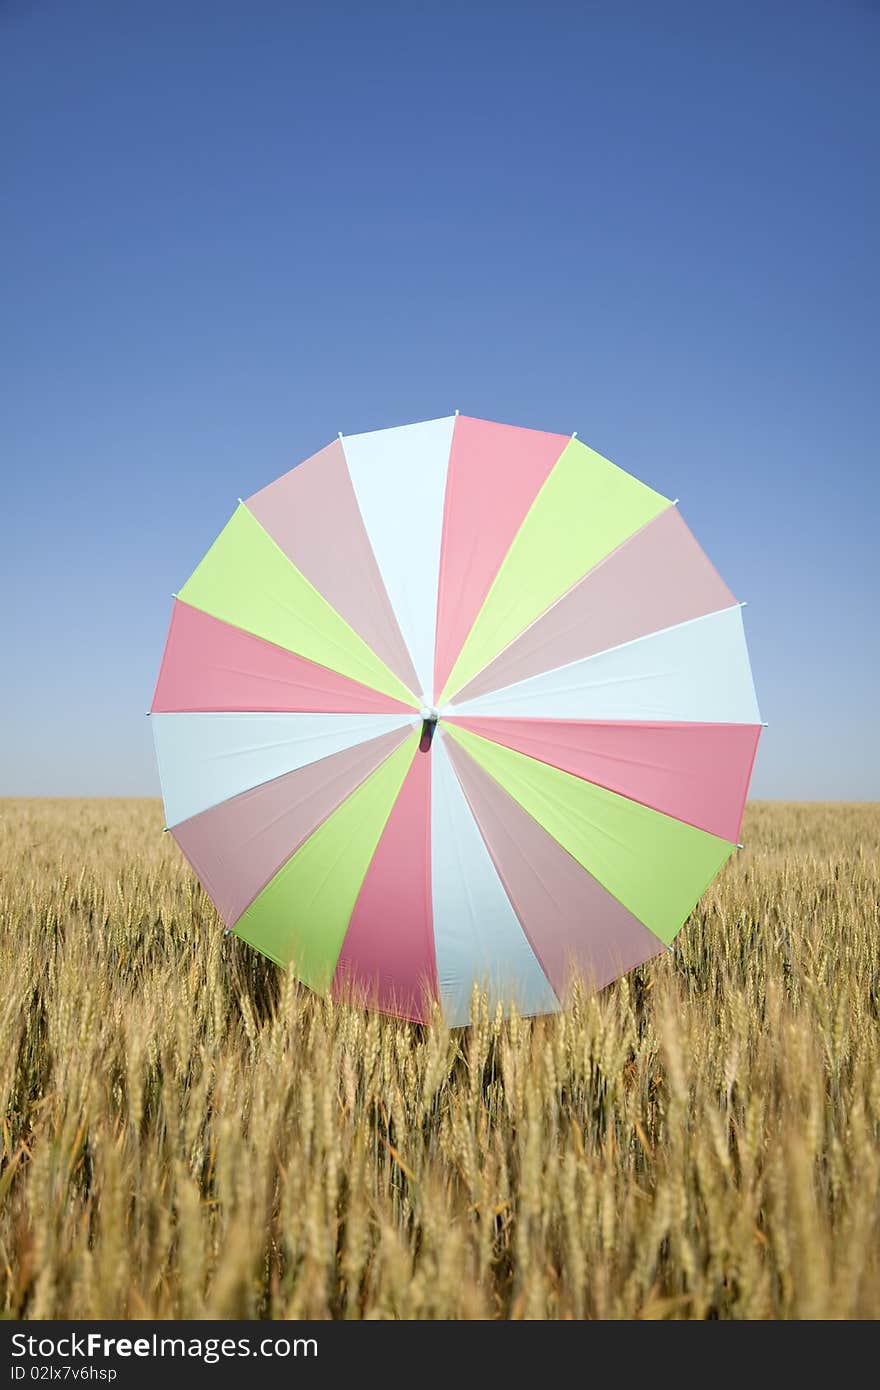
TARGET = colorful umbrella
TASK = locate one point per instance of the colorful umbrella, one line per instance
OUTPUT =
(455, 703)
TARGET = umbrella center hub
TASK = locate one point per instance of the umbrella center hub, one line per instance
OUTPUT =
(429, 716)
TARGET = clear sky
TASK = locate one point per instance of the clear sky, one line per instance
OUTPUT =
(231, 230)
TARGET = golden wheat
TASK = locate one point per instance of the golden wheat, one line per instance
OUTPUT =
(187, 1133)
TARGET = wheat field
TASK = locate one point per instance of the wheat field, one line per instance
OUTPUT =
(188, 1133)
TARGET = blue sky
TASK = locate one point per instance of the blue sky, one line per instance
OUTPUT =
(230, 231)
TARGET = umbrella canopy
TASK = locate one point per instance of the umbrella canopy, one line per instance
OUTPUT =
(455, 703)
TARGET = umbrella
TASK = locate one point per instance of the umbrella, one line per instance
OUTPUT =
(455, 703)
